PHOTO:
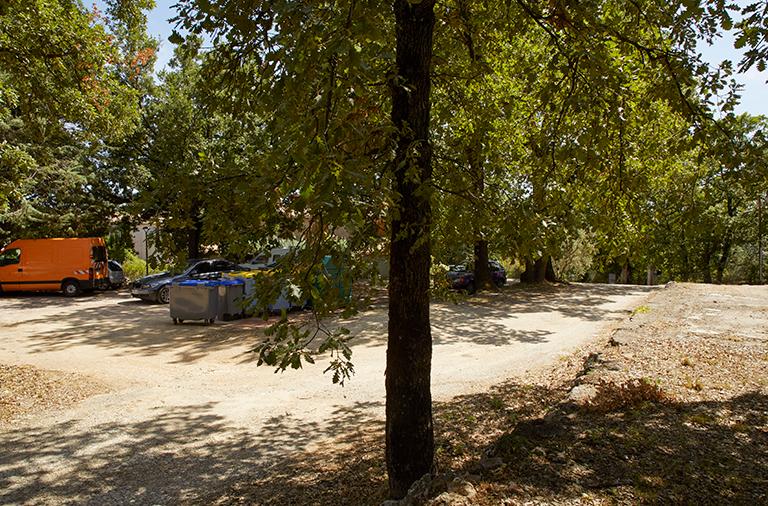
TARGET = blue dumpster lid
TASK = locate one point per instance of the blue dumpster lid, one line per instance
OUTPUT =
(189, 282)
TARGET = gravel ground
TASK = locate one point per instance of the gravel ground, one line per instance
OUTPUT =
(673, 410)
(666, 405)
(187, 414)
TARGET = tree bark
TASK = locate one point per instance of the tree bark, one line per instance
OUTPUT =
(725, 254)
(626, 273)
(194, 234)
(725, 248)
(706, 261)
(539, 271)
(483, 279)
(549, 271)
(409, 431)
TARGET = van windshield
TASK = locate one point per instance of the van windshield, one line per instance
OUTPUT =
(99, 254)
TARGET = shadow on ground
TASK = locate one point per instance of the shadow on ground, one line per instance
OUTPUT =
(175, 457)
(130, 327)
(489, 318)
(123, 325)
(674, 453)
(669, 453)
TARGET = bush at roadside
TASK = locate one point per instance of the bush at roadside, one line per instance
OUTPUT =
(134, 267)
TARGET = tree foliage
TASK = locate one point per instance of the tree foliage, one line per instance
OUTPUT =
(530, 129)
(69, 89)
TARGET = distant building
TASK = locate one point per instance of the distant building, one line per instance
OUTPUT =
(139, 236)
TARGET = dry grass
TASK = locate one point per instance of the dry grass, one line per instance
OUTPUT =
(630, 394)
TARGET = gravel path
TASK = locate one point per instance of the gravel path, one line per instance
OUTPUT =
(187, 411)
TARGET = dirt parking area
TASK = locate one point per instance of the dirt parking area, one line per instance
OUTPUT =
(183, 410)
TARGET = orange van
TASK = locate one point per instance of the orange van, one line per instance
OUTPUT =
(69, 265)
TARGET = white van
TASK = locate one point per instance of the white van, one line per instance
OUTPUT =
(265, 260)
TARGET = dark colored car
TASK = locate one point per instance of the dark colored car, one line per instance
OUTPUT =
(462, 277)
(157, 287)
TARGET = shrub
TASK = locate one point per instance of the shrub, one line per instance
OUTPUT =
(134, 267)
(613, 397)
(577, 257)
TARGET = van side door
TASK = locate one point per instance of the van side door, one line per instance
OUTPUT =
(11, 270)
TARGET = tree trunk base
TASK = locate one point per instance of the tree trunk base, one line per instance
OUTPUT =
(539, 271)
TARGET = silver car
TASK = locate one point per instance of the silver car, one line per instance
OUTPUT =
(116, 274)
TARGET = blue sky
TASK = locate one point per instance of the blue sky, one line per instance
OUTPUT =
(754, 95)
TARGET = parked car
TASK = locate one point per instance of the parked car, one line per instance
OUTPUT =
(462, 276)
(157, 287)
(116, 274)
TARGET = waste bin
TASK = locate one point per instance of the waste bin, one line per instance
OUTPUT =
(336, 281)
(250, 302)
(247, 302)
(194, 300)
(230, 293)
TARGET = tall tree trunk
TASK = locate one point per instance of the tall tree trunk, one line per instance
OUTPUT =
(481, 270)
(194, 234)
(686, 263)
(539, 271)
(483, 279)
(474, 149)
(725, 249)
(760, 239)
(549, 271)
(626, 273)
(725, 254)
(409, 432)
(650, 276)
(706, 261)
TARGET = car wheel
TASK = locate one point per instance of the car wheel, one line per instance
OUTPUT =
(164, 295)
(71, 288)
(471, 288)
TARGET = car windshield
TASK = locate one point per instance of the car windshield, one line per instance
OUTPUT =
(198, 268)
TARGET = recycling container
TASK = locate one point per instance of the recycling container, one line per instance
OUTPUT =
(194, 300)
(248, 300)
(230, 293)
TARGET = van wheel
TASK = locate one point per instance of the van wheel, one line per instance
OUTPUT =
(71, 288)
(164, 295)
